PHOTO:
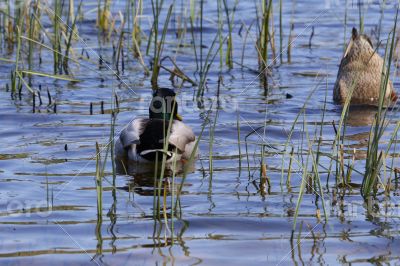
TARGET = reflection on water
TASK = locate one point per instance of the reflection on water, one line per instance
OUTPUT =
(48, 198)
(361, 116)
(134, 168)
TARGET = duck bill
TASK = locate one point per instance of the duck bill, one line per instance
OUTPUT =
(179, 117)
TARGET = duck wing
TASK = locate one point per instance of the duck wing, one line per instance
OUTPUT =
(131, 133)
(181, 135)
(148, 137)
(154, 131)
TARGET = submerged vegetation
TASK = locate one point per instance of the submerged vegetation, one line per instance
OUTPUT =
(322, 168)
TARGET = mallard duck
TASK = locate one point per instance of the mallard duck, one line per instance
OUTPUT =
(361, 67)
(142, 140)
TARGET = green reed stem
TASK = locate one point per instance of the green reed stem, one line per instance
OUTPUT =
(280, 32)
(239, 143)
(374, 159)
(211, 142)
(159, 46)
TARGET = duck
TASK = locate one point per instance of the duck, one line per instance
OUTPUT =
(142, 140)
(361, 67)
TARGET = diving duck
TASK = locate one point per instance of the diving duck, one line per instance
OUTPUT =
(142, 140)
(361, 67)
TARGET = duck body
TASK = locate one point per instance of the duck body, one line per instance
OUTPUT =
(361, 70)
(142, 140)
(147, 140)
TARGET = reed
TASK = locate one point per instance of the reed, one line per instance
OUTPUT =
(345, 27)
(30, 44)
(318, 189)
(17, 58)
(248, 29)
(205, 67)
(340, 133)
(99, 183)
(58, 6)
(247, 152)
(156, 201)
(289, 174)
(263, 41)
(189, 162)
(280, 32)
(375, 157)
(120, 48)
(220, 32)
(201, 37)
(361, 11)
(193, 39)
(290, 39)
(320, 137)
(239, 142)
(192, 7)
(288, 140)
(72, 32)
(159, 175)
(104, 17)
(302, 188)
(114, 112)
(265, 183)
(8, 25)
(137, 11)
(211, 143)
(230, 20)
(158, 46)
(173, 190)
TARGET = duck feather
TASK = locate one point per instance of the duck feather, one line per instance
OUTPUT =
(144, 137)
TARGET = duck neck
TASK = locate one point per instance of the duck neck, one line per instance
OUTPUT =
(164, 116)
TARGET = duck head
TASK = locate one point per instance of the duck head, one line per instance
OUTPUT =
(163, 105)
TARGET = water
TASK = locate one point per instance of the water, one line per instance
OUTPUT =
(48, 194)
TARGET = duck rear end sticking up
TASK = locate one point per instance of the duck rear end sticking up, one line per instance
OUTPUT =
(361, 70)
